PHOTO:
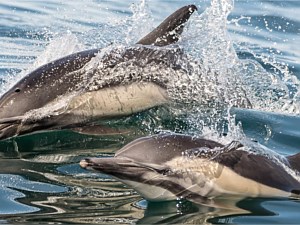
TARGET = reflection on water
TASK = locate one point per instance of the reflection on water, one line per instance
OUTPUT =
(48, 185)
(15, 189)
(55, 184)
(263, 211)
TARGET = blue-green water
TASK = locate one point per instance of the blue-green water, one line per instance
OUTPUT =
(40, 179)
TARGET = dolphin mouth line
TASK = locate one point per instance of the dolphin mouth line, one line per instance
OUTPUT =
(10, 120)
(4, 126)
(87, 163)
(84, 164)
(8, 129)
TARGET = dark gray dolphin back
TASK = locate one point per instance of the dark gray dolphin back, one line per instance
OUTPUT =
(294, 161)
(158, 149)
(169, 30)
(259, 168)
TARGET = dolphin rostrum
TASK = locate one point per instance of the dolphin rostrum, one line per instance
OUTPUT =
(171, 166)
(62, 94)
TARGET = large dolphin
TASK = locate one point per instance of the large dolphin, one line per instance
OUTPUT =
(171, 166)
(62, 94)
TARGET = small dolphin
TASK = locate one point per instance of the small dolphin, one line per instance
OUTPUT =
(58, 95)
(172, 166)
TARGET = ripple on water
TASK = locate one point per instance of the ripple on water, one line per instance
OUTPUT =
(11, 191)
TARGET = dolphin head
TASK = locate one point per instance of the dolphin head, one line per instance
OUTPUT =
(15, 101)
(149, 165)
(43, 85)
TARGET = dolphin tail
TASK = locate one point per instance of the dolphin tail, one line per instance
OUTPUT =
(169, 30)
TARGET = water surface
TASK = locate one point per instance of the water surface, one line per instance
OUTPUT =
(255, 48)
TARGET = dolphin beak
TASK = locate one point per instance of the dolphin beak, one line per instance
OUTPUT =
(98, 164)
(109, 165)
(84, 163)
(121, 168)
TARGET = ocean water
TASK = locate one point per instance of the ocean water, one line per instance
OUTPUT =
(252, 47)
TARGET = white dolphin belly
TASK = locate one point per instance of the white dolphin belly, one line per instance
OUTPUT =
(118, 100)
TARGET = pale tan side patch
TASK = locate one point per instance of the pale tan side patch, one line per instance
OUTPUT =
(232, 183)
(212, 179)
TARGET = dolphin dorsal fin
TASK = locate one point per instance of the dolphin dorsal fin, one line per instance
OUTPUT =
(169, 30)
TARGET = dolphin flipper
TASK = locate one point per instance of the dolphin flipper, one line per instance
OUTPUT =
(169, 30)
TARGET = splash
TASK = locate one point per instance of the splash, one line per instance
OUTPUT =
(140, 23)
(207, 38)
(213, 85)
(219, 79)
(59, 46)
(234, 81)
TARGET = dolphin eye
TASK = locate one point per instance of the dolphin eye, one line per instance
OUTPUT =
(17, 90)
